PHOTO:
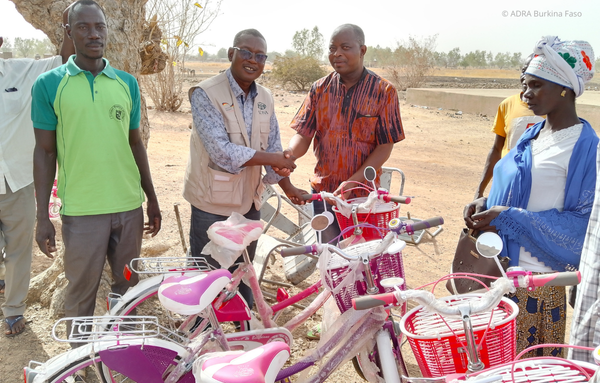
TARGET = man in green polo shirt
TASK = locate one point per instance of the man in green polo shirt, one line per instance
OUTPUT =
(86, 115)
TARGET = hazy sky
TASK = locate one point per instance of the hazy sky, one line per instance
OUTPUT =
(498, 26)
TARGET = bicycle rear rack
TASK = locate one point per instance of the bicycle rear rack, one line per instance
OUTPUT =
(114, 328)
(163, 265)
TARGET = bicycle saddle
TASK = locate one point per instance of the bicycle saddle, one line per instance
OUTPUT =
(260, 365)
(188, 295)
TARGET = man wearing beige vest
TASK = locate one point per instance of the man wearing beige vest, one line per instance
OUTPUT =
(235, 134)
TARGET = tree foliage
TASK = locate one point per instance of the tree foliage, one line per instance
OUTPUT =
(25, 47)
(309, 43)
(412, 62)
(181, 22)
(297, 73)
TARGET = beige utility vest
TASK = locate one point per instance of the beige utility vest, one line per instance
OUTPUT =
(207, 186)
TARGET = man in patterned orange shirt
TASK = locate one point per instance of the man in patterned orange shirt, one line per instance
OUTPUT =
(353, 115)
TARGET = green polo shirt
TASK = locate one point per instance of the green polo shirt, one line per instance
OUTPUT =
(92, 116)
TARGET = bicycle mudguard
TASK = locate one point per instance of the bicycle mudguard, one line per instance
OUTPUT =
(235, 309)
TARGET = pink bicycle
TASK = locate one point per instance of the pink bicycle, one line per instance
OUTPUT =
(473, 337)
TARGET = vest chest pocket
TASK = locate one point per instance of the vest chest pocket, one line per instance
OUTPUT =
(234, 130)
(225, 188)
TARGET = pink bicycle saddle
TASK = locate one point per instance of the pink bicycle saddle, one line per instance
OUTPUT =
(188, 295)
(260, 365)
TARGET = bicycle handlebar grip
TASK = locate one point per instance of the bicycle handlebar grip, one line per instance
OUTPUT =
(567, 278)
(397, 198)
(311, 197)
(424, 224)
(368, 302)
(286, 252)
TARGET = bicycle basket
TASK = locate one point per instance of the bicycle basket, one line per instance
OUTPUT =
(382, 266)
(379, 216)
(438, 346)
(542, 370)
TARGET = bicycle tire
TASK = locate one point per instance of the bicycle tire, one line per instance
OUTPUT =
(71, 368)
(373, 356)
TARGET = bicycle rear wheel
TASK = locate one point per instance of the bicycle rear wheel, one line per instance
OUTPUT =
(78, 371)
(143, 300)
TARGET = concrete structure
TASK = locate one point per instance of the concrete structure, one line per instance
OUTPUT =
(486, 101)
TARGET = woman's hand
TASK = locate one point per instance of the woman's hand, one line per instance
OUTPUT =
(474, 207)
(481, 221)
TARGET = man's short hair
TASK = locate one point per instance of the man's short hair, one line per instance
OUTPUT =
(81, 3)
(250, 32)
(358, 32)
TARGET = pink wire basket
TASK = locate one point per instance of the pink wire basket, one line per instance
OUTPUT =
(382, 267)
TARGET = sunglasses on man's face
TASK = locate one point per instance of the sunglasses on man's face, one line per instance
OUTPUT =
(247, 55)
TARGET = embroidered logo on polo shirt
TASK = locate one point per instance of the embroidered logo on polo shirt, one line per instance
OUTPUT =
(117, 112)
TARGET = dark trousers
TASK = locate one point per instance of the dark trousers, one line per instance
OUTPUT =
(201, 221)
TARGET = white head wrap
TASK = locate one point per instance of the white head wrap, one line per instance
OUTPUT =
(567, 63)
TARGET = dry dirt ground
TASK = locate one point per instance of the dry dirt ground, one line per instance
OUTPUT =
(442, 158)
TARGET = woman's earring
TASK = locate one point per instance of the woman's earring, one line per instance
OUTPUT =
(563, 93)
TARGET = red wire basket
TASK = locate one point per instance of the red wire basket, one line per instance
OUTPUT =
(439, 346)
(382, 266)
(542, 370)
(380, 216)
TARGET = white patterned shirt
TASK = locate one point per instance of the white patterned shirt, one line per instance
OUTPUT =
(209, 124)
(16, 129)
(585, 327)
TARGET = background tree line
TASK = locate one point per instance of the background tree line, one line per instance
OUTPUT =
(28, 47)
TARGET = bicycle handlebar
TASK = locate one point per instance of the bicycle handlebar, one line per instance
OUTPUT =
(500, 287)
(484, 303)
(530, 281)
(380, 196)
(396, 225)
(395, 198)
(409, 227)
(288, 251)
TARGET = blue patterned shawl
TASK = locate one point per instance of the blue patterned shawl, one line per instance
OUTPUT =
(554, 238)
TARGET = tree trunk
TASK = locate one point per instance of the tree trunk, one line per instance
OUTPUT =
(125, 19)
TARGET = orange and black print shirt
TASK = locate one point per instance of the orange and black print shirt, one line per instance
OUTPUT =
(347, 124)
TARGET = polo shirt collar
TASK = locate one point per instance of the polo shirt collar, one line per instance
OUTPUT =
(237, 91)
(74, 70)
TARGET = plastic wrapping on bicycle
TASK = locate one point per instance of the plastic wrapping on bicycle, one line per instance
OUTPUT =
(478, 304)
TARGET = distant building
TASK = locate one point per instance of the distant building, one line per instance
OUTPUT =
(7, 55)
